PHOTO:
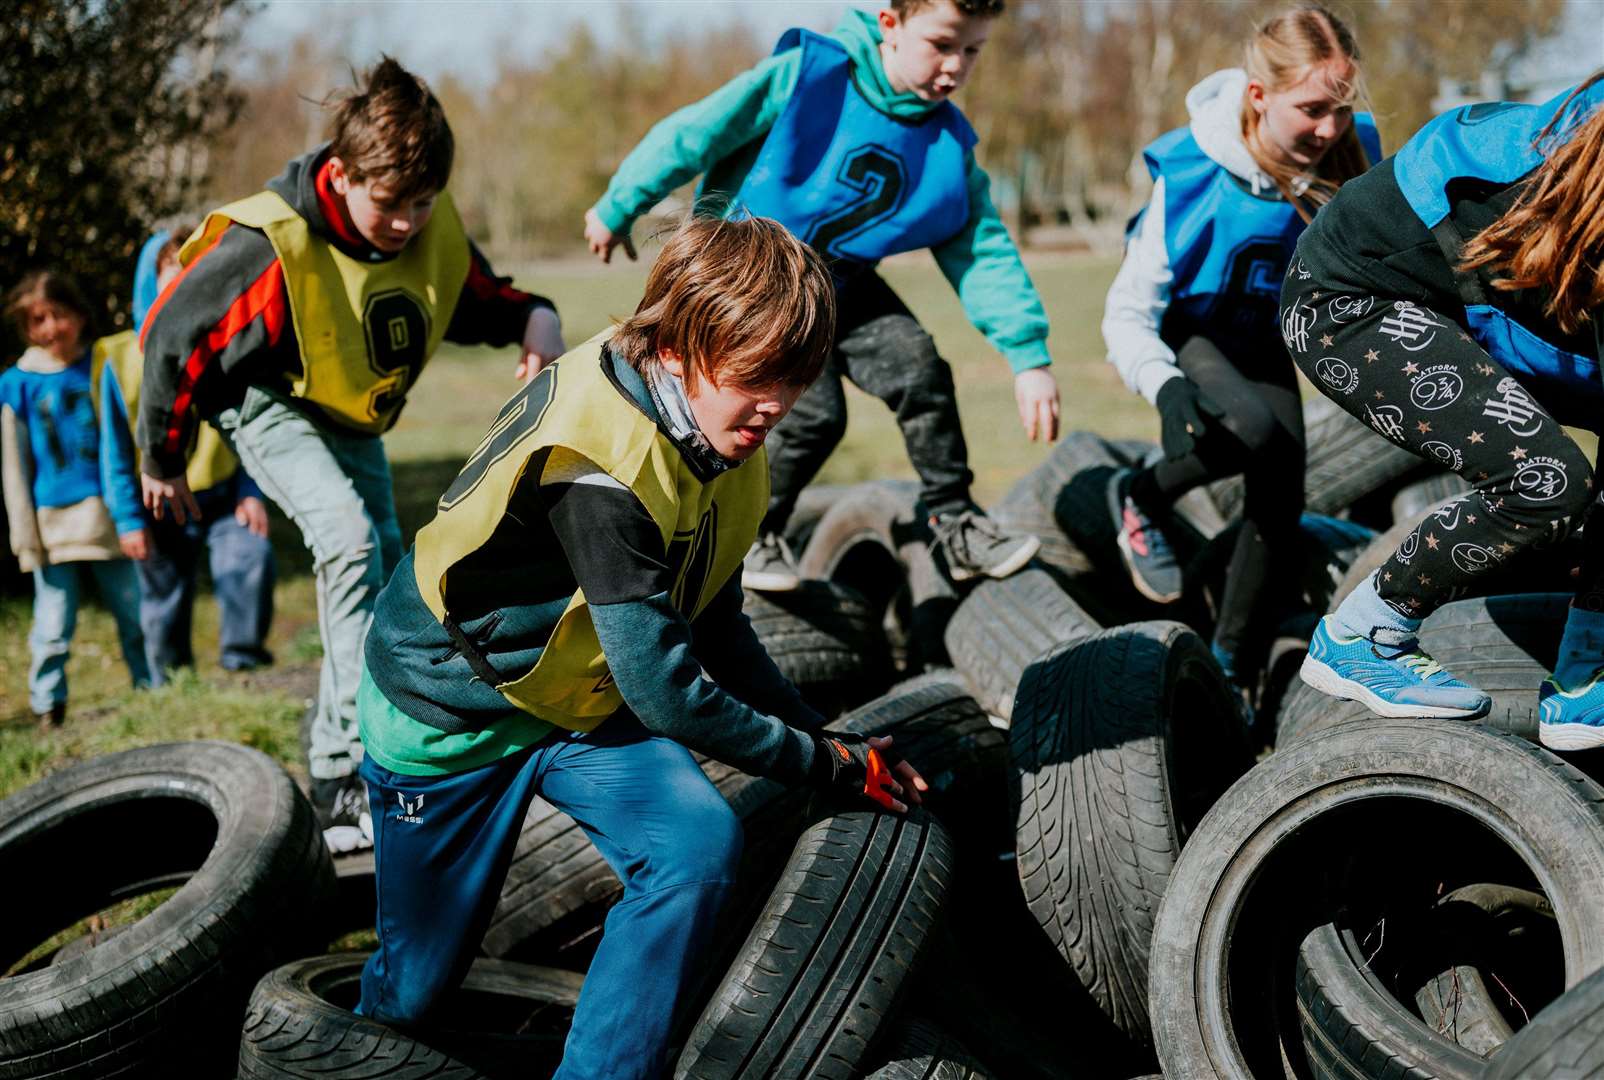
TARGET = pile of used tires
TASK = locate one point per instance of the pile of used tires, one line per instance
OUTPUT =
(1110, 877)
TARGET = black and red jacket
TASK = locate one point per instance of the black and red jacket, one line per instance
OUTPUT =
(224, 323)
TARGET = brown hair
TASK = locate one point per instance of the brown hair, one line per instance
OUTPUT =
(1280, 54)
(178, 231)
(1553, 237)
(57, 288)
(986, 9)
(391, 129)
(740, 301)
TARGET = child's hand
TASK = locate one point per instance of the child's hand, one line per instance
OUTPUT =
(602, 240)
(251, 513)
(172, 491)
(1036, 394)
(849, 762)
(543, 343)
(135, 545)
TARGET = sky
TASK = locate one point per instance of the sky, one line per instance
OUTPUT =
(436, 37)
(463, 37)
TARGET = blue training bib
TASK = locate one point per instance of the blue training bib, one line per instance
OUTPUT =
(848, 179)
(1228, 248)
(1497, 142)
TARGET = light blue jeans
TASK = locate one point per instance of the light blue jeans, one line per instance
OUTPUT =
(55, 617)
(336, 488)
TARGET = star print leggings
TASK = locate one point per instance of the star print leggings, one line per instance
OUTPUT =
(1417, 378)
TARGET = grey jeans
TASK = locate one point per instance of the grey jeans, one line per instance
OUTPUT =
(336, 488)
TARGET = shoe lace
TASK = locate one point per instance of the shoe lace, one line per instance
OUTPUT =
(347, 801)
(1141, 528)
(1409, 654)
(956, 531)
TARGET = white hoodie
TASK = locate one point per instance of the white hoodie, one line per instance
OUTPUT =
(1141, 290)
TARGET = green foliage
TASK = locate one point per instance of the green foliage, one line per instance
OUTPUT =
(107, 110)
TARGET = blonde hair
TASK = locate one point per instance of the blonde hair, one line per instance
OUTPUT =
(1281, 54)
(740, 301)
(1553, 237)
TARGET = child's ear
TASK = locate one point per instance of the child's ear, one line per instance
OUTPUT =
(338, 178)
(1255, 92)
(671, 363)
(887, 19)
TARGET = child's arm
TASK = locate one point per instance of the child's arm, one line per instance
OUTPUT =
(733, 657)
(691, 140)
(982, 264)
(119, 476)
(227, 311)
(490, 311)
(1136, 304)
(16, 479)
(618, 559)
(984, 268)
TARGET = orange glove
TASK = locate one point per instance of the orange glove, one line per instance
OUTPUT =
(844, 761)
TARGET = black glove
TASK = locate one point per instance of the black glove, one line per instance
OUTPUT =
(1186, 417)
(844, 761)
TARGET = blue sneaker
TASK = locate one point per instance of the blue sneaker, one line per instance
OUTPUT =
(1571, 719)
(1391, 680)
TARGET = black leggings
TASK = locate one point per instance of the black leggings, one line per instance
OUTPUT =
(1262, 441)
(884, 351)
(1416, 376)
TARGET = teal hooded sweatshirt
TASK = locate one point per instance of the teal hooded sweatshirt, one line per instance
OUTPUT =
(721, 134)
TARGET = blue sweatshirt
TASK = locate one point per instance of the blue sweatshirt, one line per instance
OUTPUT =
(719, 136)
(71, 462)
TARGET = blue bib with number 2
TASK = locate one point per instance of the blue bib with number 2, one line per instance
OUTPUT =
(848, 179)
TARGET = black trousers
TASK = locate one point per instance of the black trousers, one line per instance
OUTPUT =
(1416, 376)
(1263, 442)
(884, 351)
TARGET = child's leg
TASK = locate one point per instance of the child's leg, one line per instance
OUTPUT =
(1265, 442)
(441, 848)
(801, 444)
(167, 597)
(242, 578)
(1260, 434)
(295, 465)
(55, 616)
(886, 353)
(676, 845)
(1415, 377)
(119, 591)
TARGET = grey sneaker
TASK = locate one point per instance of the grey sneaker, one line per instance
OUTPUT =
(1148, 556)
(342, 810)
(975, 546)
(770, 566)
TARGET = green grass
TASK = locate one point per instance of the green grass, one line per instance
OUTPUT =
(444, 419)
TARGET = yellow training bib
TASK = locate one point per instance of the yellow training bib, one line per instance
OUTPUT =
(707, 527)
(365, 329)
(210, 461)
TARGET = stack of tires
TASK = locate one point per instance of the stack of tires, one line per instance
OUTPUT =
(1111, 875)
(198, 866)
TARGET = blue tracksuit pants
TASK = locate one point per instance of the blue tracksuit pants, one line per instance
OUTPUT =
(442, 846)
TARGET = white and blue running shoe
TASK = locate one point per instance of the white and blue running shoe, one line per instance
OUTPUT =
(1571, 719)
(1391, 680)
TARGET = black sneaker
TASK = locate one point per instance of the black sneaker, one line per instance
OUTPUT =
(1147, 554)
(770, 566)
(52, 717)
(342, 810)
(973, 545)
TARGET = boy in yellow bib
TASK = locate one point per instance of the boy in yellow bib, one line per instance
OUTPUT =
(570, 625)
(301, 319)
